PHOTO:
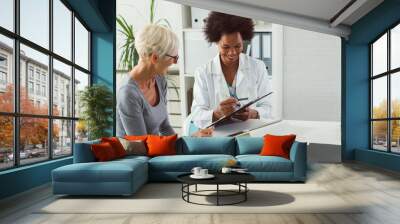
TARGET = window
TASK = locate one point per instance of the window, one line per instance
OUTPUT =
(7, 88)
(37, 74)
(54, 125)
(30, 72)
(385, 91)
(38, 89)
(3, 78)
(34, 22)
(30, 87)
(3, 61)
(81, 45)
(63, 75)
(3, 72)
(260, 48)
(7, 14)
(43, 90)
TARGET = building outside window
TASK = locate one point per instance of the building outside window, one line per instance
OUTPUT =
(385, 91)
(34, 75)
(43, 90)
(37, 75)
(3, 78)
(30, 72)
(43, 78)
(3, 72)
(30, 87)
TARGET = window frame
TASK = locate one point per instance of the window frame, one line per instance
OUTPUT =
(267, 60)
(16, 114)
(388, 74)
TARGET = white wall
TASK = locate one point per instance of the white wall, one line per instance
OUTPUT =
(312, 76)
(137, 13)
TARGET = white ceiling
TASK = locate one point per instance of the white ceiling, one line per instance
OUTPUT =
(315, 15)
(320, 9)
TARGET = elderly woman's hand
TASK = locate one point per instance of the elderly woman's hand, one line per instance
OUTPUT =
(203, 133)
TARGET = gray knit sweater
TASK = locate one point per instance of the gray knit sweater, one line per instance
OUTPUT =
(135, 116)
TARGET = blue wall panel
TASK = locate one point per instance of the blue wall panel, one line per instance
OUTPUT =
(99, 16)
(24, 178)
(356, 100)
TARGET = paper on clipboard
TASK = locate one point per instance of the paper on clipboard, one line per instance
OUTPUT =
(224, 118)
(238, 127)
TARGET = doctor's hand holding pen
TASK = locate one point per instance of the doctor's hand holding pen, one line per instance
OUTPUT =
(231, 104)
(225, 107)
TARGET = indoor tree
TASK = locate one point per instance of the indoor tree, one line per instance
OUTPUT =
(96, 102)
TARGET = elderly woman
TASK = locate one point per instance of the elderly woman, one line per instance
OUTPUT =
(231, 75)
(142, 102)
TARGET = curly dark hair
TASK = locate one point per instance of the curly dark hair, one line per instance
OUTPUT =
(218, 24)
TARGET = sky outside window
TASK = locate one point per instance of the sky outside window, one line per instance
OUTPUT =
(62, 29)
(7, 14)
(379, 56)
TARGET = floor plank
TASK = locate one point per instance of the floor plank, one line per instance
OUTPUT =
(378, 190)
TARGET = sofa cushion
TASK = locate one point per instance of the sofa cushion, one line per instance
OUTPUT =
(83, 152)
(134, 147)
(103, 152)
(248, 145)
(112, 171)
(206, 145)
(185, 163)
(275, 145)
(257, 163)
(116, 145)
(161, 145)
(128, 159)
(136, 137)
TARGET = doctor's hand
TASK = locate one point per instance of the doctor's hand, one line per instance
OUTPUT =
(225, 107)
(247, 114)
(203, 132)
(242, 115)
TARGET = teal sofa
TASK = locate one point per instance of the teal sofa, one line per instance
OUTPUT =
(125, 176)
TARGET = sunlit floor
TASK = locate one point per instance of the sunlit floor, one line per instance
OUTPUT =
(378, 189)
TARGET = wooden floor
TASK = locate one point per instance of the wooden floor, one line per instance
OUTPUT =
(379, 189)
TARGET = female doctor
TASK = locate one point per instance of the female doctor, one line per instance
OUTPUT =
(230, 78)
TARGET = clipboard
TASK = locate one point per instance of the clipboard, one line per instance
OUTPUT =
(222, 119)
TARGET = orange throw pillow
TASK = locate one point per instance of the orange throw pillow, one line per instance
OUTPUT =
(277, 145)
(103, 152)
(136, 137)
(116, 145)
(161, 145)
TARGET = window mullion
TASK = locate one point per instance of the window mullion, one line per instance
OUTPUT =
(16, 83)
(73, 82)
(50, 81)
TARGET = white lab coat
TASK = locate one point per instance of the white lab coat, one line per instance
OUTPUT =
(210, 88)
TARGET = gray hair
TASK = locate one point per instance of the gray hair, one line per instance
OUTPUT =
(155, 39)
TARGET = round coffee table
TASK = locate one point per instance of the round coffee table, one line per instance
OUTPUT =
(238, 179)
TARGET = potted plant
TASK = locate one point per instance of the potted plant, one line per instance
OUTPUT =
(96, 102)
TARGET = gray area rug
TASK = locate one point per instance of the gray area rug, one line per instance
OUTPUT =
(166, 198)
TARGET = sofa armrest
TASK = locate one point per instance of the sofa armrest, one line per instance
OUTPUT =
(83, 152)
(298, 155)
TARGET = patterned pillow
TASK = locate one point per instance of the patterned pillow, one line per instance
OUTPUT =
(134, 147)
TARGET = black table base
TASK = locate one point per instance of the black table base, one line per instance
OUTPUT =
(241, 191)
